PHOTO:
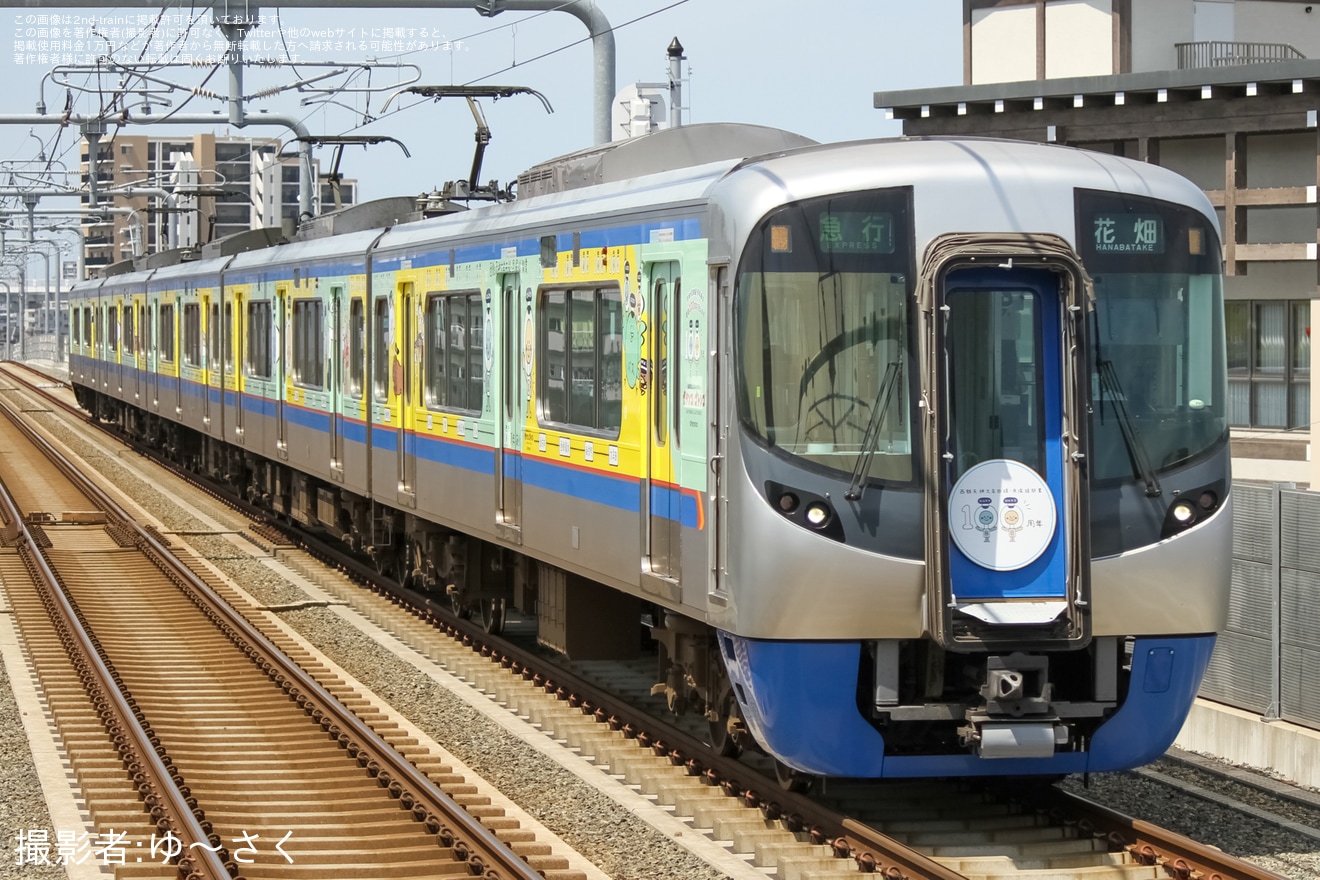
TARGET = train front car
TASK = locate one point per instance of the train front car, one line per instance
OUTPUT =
(972, 509)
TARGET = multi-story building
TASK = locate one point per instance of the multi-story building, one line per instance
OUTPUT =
(275, 190)
(210, 177)
(221, 185)
(1224, 92)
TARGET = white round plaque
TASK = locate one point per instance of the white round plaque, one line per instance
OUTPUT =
(1001, 515)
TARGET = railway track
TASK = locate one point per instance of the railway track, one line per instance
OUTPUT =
(205, 749)
(908, 830)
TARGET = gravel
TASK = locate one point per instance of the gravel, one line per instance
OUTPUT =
(1257, 840)
(587, 820)
(23, 806)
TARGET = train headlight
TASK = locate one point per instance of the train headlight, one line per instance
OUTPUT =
(805, 509)
(1191, 507)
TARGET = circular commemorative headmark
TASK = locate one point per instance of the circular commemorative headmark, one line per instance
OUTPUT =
(1001, 515)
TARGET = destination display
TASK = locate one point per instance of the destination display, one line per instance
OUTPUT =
(856, 232)
(1123, 233)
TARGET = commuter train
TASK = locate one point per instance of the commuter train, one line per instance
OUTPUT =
(911, 455)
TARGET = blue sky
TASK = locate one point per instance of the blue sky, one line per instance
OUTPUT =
(807, 67)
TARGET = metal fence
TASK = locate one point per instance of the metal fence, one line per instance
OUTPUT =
(1222, 53)
(1267, 660)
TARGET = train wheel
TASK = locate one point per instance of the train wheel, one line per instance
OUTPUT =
(387, 563)
(461, 610)
(492, 615)
(793, 780)
(721, 733)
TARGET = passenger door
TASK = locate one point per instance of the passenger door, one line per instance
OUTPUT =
(407, 445)
(334, 382)
(515, 329)
(210, 338)
(1007, 488)
(718, 379)
(283, 345)
(662, 486)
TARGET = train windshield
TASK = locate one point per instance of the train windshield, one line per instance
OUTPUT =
(1157, 372)
(822, 334)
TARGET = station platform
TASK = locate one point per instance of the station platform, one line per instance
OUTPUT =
(1288, 752)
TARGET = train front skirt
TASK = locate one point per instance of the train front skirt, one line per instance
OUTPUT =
(799, 699)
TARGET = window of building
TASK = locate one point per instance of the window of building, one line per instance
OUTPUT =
(166, 334)
(453, 336)
(192, 334)
(581, 342)
(258, 334)
(232, 214)
(233, 152)
(357, 337)
(380, 370)
(308, 343)
(1269, 363)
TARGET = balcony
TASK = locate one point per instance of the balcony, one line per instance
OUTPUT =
(1221, 53)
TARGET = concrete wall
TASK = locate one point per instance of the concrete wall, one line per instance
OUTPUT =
(1079, 38)
(1004, 44)
(1078, 41)
(1156, 26)
(1281, 160)
(1200, 160)
(1258, 21)
(1290, 280)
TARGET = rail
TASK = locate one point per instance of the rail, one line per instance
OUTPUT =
(1224, 53)
(486, 855)
(167, 804)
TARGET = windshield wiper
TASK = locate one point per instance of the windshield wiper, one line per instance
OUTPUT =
(883, 397)
(1137, 449)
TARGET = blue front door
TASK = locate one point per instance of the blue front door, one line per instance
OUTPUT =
(1004, 455)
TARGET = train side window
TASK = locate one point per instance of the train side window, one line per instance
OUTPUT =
(192, 334)
(166, 338)
(128, 329)
(258, 350)
(112, 328)
(87, 325)
(380, 368)
(452, 336)
(357, 332)
(581, 351)
(74, 332)
(308, 345)
(144, 336)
